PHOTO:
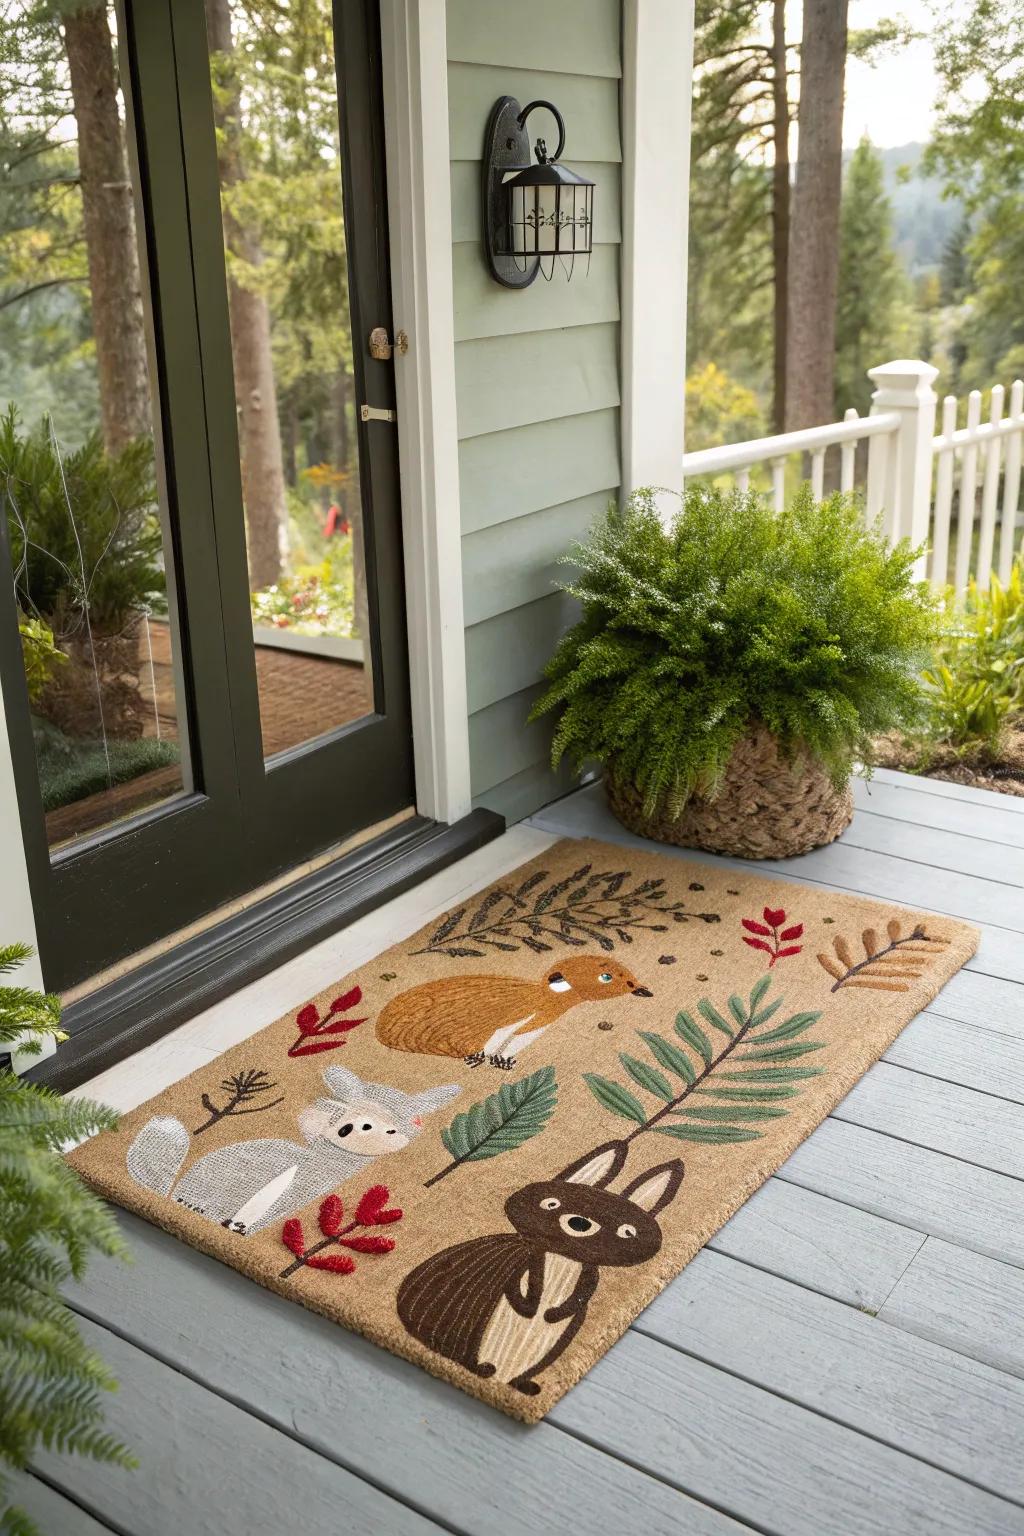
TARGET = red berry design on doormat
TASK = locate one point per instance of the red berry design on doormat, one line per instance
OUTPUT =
(771, 936)
(324, 1034)
(372, 1211)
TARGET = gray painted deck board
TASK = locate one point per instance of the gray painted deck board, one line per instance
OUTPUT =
(768, 1461)
(53, 1513)
(843, 1357)
(967, 1054)
(990, 823)
(479, 1471)
(906, 1391)
(913, 1186)
(971, 1303)
(962, 1123)
(798, 1234)
(209, 1468)
(410, 1433)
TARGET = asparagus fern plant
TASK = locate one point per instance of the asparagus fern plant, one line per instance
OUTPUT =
(51, 1383)
(803, 620)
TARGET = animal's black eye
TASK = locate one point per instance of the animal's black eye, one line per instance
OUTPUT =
(389, 1133)
(550, 1204)
(626, 1230)
(367, 1126)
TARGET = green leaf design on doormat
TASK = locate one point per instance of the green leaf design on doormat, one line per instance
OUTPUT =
(501, 1122)
(713, 1105)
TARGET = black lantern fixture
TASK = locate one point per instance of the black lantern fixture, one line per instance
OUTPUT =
(535, 214)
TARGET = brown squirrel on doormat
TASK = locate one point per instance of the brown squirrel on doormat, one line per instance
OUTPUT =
(494, 1018)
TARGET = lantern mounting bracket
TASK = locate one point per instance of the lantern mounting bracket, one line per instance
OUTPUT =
(506, 148)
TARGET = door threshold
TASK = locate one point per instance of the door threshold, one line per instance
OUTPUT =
(116, 1019)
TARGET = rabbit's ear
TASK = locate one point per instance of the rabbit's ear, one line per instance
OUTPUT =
(433, 1098)
(343, 1084)
(656, 1188)
(598, 1167)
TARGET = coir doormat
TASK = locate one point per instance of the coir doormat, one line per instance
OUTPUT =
(492, 1146)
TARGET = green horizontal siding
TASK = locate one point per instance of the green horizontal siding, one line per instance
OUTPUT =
(516, 562)
(570, 372)
(605, 174)
(484, 308)
(510, 474)
(502, 742)
(537, 376)
(580, 36)
(526, 792)
(507, 653)
(589, 106)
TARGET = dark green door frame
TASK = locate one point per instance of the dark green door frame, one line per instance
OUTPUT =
(244, 822)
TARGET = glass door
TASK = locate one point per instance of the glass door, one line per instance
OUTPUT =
(203, 644)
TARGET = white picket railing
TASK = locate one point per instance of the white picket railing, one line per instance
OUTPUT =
(924, 486)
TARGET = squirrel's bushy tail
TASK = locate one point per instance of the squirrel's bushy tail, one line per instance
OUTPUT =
(157, 1153)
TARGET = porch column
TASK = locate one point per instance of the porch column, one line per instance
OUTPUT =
(657, 68)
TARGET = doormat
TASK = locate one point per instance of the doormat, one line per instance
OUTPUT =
(490, 1147)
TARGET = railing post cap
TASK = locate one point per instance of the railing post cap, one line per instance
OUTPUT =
(905, 380)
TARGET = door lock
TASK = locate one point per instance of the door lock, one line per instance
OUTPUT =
(381, 346)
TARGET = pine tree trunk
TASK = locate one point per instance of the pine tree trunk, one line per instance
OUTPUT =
(814, 232)
(108, 217)
(780, 211)
(259, 432)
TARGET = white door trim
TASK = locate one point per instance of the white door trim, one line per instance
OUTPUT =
(657, 69)
(415, 68)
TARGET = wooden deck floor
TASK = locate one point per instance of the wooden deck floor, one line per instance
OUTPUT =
(844, 1359)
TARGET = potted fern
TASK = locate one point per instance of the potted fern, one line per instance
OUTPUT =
(729, 668)
(50, 1381)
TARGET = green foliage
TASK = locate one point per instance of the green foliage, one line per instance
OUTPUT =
(871, 311)
(979, 148)
(976, 678)
(748, 1099)
(730, 269)
(504, 1120)
(51, 1384)
(803, 620)
(82, 527)
(89, 768)
(40, 655)
(718, 409)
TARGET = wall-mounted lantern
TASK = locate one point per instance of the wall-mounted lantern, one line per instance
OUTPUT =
(535, 214)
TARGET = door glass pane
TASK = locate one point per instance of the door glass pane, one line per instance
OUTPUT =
(276, 109)
(78, 460)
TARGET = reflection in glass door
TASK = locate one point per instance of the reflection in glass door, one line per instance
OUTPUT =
(78, 460)
(275, 99)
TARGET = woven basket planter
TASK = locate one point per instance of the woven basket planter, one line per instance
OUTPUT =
(768, 807)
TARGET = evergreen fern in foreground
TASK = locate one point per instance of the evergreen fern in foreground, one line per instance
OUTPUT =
(804, 620)
(50, 1382)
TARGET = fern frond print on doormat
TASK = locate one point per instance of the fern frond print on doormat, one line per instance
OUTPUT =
(552, 1097)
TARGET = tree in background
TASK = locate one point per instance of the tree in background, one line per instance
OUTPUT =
(814, 228)
(259, 432)
(108, 221)
(872, 288)
(979, 147)
(739, 192)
